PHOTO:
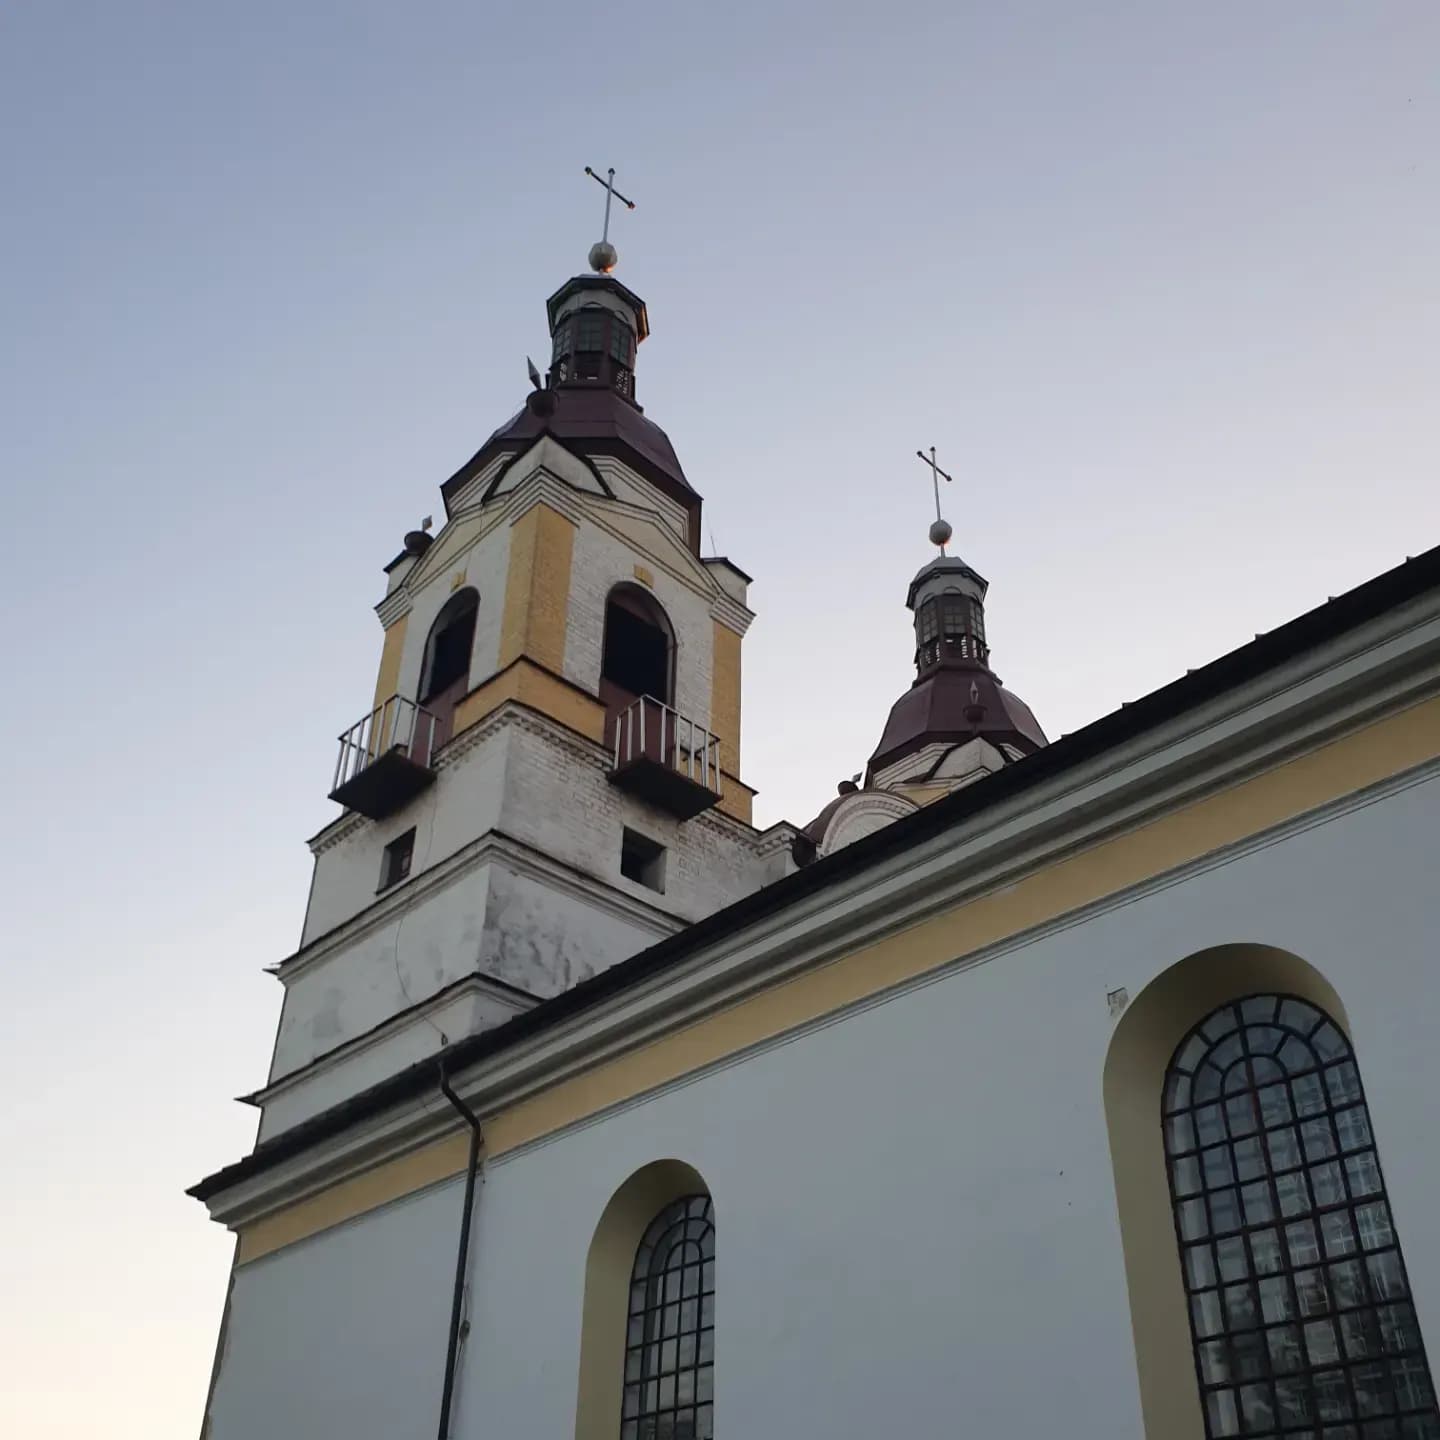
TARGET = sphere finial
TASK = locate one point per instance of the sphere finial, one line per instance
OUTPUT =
(603, 257)
(940, 533)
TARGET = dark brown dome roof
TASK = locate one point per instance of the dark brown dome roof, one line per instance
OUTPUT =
(943, 706)
(592, 420)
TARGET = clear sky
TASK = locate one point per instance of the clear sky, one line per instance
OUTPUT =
(1158, 279)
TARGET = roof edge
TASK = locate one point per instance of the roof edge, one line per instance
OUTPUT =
(1366, 602)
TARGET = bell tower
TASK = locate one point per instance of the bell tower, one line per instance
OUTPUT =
(547, 779)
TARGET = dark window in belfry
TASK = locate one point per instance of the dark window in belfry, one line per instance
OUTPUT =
(589, 333)
(447, 657)
(621, 344)
(637, 653)
(637, 647)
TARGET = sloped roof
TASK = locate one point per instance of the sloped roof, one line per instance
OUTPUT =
(956, 703)
(1416, 577)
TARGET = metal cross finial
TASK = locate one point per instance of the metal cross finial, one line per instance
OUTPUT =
(602, 255)
(940, 531)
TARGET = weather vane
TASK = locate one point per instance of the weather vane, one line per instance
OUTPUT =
(603, 254)
(940, 531)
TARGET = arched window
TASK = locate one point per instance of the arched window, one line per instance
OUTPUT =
(445, 670)
(447, 651)
(638, 648)
(670, 1339)
(1300, 1309)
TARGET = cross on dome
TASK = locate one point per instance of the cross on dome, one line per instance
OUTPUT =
(603, 254)
(940, 531)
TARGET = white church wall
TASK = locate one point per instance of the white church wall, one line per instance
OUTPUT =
(468, 1007)
(490, 920)
(558, 799)
(540, 934)
(462, 804)
(915, 1205)
(418, 949)
(343, 1334)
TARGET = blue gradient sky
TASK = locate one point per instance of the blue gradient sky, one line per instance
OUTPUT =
(1158, 279)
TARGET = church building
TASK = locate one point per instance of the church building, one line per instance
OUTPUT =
(1075, 1087)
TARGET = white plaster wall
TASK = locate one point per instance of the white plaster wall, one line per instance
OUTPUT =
(462, 804)
(600, 563)
(465, 1010)
(560, 801)
(540, 933)
(915, 1204)
(343, 1335)
(490, 921)
(547, 939)
(390, 967)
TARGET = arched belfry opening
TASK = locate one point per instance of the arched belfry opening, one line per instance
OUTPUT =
(665, 757)
(638, 656)
(445, 670)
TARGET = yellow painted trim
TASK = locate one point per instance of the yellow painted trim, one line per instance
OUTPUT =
(922, 794)
(537, 588)
(725, 696)
(1331, 772)
(541, 691)
(1156, 1021)
(736, 798)
(608, 1267)
(390, 1181)
(387, 683)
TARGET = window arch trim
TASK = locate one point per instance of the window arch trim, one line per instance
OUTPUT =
(609, 1263)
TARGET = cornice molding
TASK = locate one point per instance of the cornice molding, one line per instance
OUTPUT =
(1366, 675)
(397, 603)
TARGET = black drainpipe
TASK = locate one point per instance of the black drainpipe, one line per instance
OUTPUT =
(462, 1256)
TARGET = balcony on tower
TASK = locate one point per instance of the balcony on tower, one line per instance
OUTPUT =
(665, 758)
(385, 758)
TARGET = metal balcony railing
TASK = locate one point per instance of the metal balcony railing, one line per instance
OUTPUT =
(666, 757)
(385, 758)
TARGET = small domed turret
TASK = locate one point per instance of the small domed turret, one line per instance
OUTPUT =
(956, 696)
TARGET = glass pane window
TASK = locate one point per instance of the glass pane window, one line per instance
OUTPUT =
(1299, 1300)
(670, 1351)
(621, 345)
(588, 332)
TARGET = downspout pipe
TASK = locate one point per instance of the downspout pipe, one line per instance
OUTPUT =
(462, 1256)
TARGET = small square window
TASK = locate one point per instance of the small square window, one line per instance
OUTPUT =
(642, 860)
(395, 865)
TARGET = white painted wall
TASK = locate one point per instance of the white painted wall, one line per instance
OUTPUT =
(915, 1205)
(343, 1335)
(466, 1008)
(540, 932)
